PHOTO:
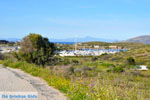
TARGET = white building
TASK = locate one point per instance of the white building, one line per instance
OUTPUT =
(65, 53)
(94, 52)
(96, 46)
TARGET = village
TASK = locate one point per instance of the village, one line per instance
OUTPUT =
(89, 52)
(79, 49)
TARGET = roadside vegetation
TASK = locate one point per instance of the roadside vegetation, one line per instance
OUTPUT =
(105, 77)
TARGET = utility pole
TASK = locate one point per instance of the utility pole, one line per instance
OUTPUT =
(75, 43)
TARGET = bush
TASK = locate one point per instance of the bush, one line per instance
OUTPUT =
(94, 58)
(71, 69)
(118, 69)
(148, 67)
(130, 61)
(66, 61)
(75, 61)
(107, 65)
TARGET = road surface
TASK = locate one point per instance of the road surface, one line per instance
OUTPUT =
(15, 80)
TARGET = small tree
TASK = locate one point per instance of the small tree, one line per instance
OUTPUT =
(36, 49)
(131, 61)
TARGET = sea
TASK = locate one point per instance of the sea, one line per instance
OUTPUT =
(64, 42)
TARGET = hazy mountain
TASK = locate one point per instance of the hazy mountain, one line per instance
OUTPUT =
(86, 39)
(67, 40)
(140, 39)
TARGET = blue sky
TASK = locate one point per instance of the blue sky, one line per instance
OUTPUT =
(109, 19)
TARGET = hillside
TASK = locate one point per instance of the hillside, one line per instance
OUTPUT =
(101, 45)
(119, 44)
(3, 42)
(140, 39)
(141, 55)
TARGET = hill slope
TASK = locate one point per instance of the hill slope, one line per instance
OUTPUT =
(140, 54)
(120, 44)
(140, 39)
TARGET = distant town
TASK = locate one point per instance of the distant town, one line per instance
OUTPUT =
(78, 49)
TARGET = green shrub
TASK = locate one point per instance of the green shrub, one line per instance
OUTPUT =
(71, 69)
(148, 67)
(109, 70)
(107, 64)
(66, 61)
(6, 62)
(131, 61)
(118, 69)
(75, 61)
(94, 58)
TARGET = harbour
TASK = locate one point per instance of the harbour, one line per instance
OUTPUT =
(89, 52)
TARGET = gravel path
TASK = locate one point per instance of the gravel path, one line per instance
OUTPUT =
(15, 80)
